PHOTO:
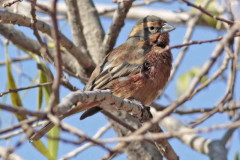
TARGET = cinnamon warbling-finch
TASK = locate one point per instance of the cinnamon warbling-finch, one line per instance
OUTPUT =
(138, 69)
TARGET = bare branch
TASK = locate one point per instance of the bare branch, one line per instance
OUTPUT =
(7, 17)
(229, 90)
(15, 133)
(92, 28)
(71, 66)
(115, 28)
(12, 156)
(228, 135)
(76, 26)
(18, 59)
(22, 111)
(214, 148)
(81, 135)
(134, 149)
(154, 136)
(5, 5)
(54, 98)
(19, 125)
(75, 152)
(44, 50)
(107, 10)
(207, 13)
(218, 50)
(25, 88)
(191, 23)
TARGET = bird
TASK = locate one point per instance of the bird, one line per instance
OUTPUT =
(136, 70)
(139, 68)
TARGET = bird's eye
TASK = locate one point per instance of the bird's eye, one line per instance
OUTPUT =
(146, 66)
(153, 29)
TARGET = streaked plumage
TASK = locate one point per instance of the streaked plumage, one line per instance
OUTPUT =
(138, 69)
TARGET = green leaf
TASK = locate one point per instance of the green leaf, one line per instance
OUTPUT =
(185, 79)
(17, 102)
(54, 144)
(46, 76)
(42, 149)
(183, 83)
(40, 94)
(54, 132)
(237, 157)
(43, 79)
(211, 8)
(52, 45)
(47, 90)
(15, 98)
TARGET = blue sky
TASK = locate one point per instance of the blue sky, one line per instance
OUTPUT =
(195, 57)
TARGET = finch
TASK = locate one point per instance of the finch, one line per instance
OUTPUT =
(138, 69)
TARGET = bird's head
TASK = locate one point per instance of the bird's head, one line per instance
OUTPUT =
(153, 30)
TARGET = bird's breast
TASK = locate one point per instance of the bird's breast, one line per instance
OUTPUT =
(146, 85)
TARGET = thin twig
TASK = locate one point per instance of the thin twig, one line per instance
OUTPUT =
(12, 156)
(12, 18)
(80, 134)
(75, 152)
(207, 13)
(70, 64)
(189, 32)
(75, 23)
(9, 4)
(118, 121)
(229, 90)
(228, 107)
(18, 59)
(16, 146)
(229, 132)
(25, 88)
(216, 53)
(22, 111)
(54, 98)
(15, 133)
(19, 125)
(137, 4)
(116, 26)
(154, 136)
(44, 50)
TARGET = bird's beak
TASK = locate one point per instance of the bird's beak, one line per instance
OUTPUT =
(167, 28)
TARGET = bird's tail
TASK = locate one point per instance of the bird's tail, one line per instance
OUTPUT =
(39, 134)
(90, 112)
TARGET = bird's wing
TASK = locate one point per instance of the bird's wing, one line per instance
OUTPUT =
(121, 62)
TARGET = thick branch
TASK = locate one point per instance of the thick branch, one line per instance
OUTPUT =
(107, 10)
(18, 38)
(77, 101)
(115, 28)
(218, 50)
(76, 26)
(92, 27)
(213, 148)
(11, 18)
(5, 155)
(135, 150)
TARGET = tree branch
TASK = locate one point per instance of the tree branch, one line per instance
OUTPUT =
(116, 26)
(92, 28)
(11, 18)
(71, 66)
